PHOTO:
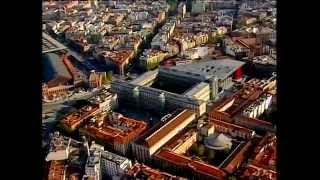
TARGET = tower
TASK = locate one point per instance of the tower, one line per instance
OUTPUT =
(162, 100)
(213, 82)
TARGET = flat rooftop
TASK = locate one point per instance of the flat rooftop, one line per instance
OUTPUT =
(221, 68)
(113, 157)
(145, 77)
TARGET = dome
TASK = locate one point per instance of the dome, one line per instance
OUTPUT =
(218, 142)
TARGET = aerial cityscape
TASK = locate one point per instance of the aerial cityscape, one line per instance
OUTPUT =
(159, 89)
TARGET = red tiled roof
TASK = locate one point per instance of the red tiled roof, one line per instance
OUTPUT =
(57, 170)
(107, 132)
(167, 128)
(232, 126)
(78, 116)
(194, 164)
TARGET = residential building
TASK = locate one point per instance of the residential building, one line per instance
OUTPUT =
(151, 58)
(97, 79)
(102, 164)
(57, 170)
(235, 49)
(114, 165)
(182, 9)
(114, 131)
(231, 106)
(105, 100)
(201, 6)
(72, 121)
(265, 153)
(246, 104)
(265, 33)
(118, 59)
(93, 165)
(143, 172)
(59, 147)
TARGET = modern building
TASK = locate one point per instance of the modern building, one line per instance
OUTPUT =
(154, 99)
(200, 91)
(146, 79)
(195, 78)
(218, 73)
(153, 139)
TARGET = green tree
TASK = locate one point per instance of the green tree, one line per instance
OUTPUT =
(232, 178)
(194, 148)
(109, 75)
(227, 150)
(201, 150)
(211, 154)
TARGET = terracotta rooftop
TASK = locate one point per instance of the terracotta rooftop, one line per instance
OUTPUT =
(118, 57)
(77, 117)
(233, 126)
(194, 164)
(252, 172)
(266, 152)
(138, 169)
(122, 131)
(57, 170)
(172, 124)
(239, 100)
(258, 121)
